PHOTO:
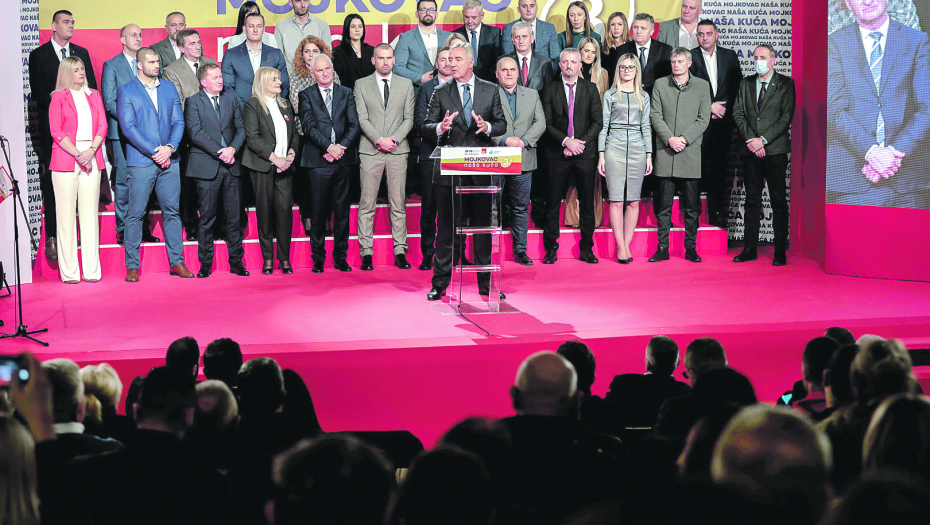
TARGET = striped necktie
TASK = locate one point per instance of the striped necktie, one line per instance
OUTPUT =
(875, 65)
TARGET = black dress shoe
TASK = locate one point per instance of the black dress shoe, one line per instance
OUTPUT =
(366, 263)
(588, 257)
(487, 293)
(400, 261)
(191, 236)
(550, 257)
(427, 263)
(521, 258)
(343, 266)
(661, 254)
(692, 255)
(148, 237)
(239, 269)
(435, 294)
(746, 255)
(317, 267)
(286, 268)
(120, 238)
(204, 272)
(780, 259)
(268, 267)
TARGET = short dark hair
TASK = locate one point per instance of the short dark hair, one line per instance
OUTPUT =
(707, 22)
(705, 353)
(837, 374)
(250, 15)
(142, 53)
(183, 355)
(384, 45)
(261, 386)
(60, 12)
(447, 485)
(434, 2)
(582, 358)
(244, 10)
(183, 34)
(222, 358)
(841, 335)
(816, 358)
(165, 395)
(663, 351)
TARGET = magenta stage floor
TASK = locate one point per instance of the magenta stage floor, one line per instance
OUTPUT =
(376, 355)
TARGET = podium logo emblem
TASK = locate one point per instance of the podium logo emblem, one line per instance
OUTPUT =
(506, 162)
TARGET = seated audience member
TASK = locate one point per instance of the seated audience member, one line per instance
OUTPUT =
(337, 480)
(837, 388)
(678, 414)
(102, 392)
(694, 461)
(638, 397)
(299, 404)
(222, 360)
(490, 441)
(841, 335)
(184, 357)
(816, 358)
(18, 478)
(778, 462)
(154, 479)
(558, 466)
(446, 486)
(885, 497)
(880, 369)
(215, 416)
(898, 437)
(594, 413)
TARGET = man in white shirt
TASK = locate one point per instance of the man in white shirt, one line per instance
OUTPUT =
(682, 31)
(168, 50)
(292, 30)
(484, 39)
(416, 51)
(547, 40)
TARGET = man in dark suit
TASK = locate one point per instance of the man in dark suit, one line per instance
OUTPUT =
(878, 111)
(573, 121)
(168, 49)
(241, 62)
(43, 76)
(152, 138)
(535, 70)
(653, 55)
(484, 39)
(464, 112)
(638, 397)
(213, 120)
(330, 122)
(720, 68)
(763, 112)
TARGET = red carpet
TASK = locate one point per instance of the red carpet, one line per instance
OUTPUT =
(377, 355)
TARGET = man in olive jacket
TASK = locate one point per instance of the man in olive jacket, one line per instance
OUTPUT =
(680, 114)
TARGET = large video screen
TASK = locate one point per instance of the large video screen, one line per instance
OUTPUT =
(878, 103)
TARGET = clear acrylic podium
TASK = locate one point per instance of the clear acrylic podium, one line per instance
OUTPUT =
(495, 163)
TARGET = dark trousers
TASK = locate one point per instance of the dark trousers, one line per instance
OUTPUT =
(427, 209)
(447, 242)
(274, 196)
(690, 205)
(518, 197)
(329, 190)
(562, 172)
(221, 191)
(770, 168)
(187, 207)
(715, 156)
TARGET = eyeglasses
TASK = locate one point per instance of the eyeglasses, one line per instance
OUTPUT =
(627, 68)
(427, 10)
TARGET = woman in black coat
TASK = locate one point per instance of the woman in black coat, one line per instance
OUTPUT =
(352, 57)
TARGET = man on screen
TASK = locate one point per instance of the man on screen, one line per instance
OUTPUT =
(878, 111)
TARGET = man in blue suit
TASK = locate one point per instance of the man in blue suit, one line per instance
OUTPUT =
(418, 48)
(150, 117)
(547, 40)
(241, 62)
(878, 111)
(116, 72)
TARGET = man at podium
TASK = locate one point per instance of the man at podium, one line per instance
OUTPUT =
(466, 112)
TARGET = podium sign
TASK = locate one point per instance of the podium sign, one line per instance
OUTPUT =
(481, 161)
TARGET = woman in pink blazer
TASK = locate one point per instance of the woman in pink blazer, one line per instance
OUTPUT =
(78, 123)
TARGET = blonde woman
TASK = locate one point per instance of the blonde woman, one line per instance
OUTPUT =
(617, 34)
(625, 146)
(78, 122)
(102, 392)
(271, 141)
(19, 500)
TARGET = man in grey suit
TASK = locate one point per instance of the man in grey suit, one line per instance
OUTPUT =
(534, 70)
(418, 48)
(183, 72)
(385, 110)
(682, 32)
(547, 40)
(213, 121)
(116, 72)
(526, 123)
(168, 49)
(680, 114)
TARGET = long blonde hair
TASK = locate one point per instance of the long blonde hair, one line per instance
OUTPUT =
(607, 41)
(637, 81)
(262, 76)
(19, 501)
(102, 388)
(598, 75)
(66, 73)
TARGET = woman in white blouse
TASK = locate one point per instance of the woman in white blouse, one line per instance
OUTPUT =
(271, 141)
(78, 123)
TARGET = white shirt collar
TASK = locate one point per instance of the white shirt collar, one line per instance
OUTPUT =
(867, 41)
(389, 77)
(477, 31)
(647, 46)
(709, 54)
(566, 83)
(470, 83)
(331, 88)
(58, 49)
(520, 57)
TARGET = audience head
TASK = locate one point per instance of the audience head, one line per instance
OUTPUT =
(63, 25)
(455, 38)
(764, 53)
(175, 22)
(216, 406)
(816, 358)
(267, 84)
(298, 402)
(681, 61)
(102, 390)
(702, 356)
(867, 339)
(261, 387)
(166, 402)
(131, 38)
(690, 11)
(246, 8)
(523, 37)
(19, 501)
(447, 486)
(427, 11)
(694, 460)
(662, 355)
(222, 360)
(336, 480)
(463, 61)
(898, 437)
(641, 28)
(547, 385)
(841, 335)
(64, 376)
(486, 439)
(300, 7)
(582, 358)
(590, 50)
(883, 497)
(308, 48)
(147, 63)
(881, 368)
(184, 357)
(71, 74)
(527, 9)
(210, 77)
(132, 394)
(472, 14)
(777, 458)
(353, 28)
(836, 381)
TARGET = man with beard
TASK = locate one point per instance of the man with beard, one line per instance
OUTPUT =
(417, 49)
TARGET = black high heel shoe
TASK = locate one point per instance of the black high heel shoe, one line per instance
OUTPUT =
(268, 267)
(286, 268)
(623, 261)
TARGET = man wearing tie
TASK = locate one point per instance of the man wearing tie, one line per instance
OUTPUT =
(466, 112)
(213, 120)
(416, 50)
(168, 49)
(484, 39)
(653, 55)
(547, 40)
(573, 120)
(534, 70)
(151, 119)
(43, 76)
(763, 112)
(385, 111)
(526, 123)
(330, 123)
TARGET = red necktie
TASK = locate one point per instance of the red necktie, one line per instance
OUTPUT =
(524, 71)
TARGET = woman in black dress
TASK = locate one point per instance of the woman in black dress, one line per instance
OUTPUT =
(352, 57)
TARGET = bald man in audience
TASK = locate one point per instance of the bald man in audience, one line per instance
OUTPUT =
(216, 406)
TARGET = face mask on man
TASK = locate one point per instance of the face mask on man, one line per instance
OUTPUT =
(762, 67)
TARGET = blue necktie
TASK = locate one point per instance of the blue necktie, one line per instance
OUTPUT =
(466, 103)
(64, 54)
(875, 65)
(474, 44)
(134, 70)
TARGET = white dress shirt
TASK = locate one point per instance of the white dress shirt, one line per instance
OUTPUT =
(710, 62)
(685, 39)
(647, 46)
(193, 65)
(175, 48)
(280, 127)
(431, 41)
(381, 79)
(85, 127)
(153, 92)
(58, 49)
(255, 58)
(868, 42)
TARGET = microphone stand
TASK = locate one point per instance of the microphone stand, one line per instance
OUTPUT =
(21, 329)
